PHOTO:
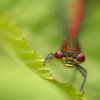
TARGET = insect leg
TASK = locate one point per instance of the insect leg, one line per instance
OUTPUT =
(84, 73)
(50, 55)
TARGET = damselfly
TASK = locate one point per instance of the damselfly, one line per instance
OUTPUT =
(70, 52)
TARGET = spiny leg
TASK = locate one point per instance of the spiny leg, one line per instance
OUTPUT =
(50, 55)
(84, 73)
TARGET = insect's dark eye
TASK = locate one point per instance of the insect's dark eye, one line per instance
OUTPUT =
(59, 54)
(81, 57)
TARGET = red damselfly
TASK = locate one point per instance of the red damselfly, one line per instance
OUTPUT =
(70, 52)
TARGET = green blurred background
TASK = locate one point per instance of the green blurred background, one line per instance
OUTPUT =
(43, 24)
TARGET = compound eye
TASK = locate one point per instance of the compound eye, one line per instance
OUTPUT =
(59, 54)
(81, 57)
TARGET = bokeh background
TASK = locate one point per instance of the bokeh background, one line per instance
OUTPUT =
(43, 24)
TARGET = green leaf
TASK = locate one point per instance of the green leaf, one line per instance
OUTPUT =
(14, 44)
